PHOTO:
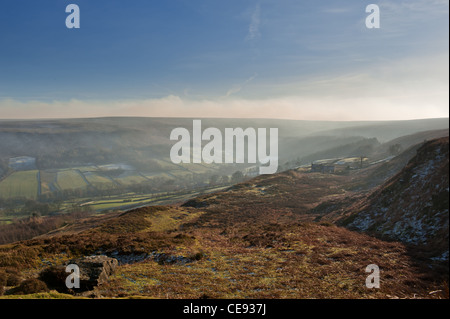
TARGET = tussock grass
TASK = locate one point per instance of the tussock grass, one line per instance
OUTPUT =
(310, 263)
(42, 295)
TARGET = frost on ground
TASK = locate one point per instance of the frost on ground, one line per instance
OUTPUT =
(413, 205)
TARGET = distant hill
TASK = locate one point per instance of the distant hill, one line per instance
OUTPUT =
(361, 147)
(407, 141)
(69, 142)
(389, 130)
(390, 163)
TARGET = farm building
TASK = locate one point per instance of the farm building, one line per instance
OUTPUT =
(339, 165)
(22, 163)
(251, 171)
(322, 168)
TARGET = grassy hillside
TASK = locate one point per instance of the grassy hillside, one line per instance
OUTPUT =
(264, 238)
(164, 254)
(272, 236)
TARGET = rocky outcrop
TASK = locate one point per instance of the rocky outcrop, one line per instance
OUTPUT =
(160, 258)
(93, 272)
(413, 206)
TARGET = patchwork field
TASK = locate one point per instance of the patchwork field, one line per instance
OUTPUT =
(20, 184)
(132, 200)
(29, 184)
(150, 175)
(48, 181)
(98, 181)
(130, 178)
(70, 179)
(196, 168)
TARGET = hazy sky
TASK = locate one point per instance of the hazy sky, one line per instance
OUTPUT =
(294, 59)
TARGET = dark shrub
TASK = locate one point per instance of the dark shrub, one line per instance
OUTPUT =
(30, 286)
(54, 278)
(13, 280)
(3, 278)
(198, 256)
(327, 224)
(9, 277)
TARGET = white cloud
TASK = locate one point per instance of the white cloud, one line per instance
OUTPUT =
(405, 14)
(253, 29)
(410, 88)
(239, 87)
(332, 108)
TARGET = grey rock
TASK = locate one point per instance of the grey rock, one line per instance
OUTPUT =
(94, 270)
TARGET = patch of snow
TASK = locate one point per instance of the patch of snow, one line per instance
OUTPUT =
(362, 223)
(442, 257)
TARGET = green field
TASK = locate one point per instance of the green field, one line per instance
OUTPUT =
(48, 181)
(20, 184)
(70, 179)
(31, 184)
(179, 174)
(198, 168)
(167, 166)
(130, 178)
(87, 168)
(99, 182)
(132, 199)
(124, 200)
(162, 175)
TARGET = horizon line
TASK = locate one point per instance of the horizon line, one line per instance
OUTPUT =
(211, 117)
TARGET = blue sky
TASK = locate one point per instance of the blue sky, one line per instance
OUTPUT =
(226, 58)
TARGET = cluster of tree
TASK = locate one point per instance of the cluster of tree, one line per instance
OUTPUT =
(37, 208)
(97, 156)
(27, 207)
(70, 157)
(395, 149)
(4, 168)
